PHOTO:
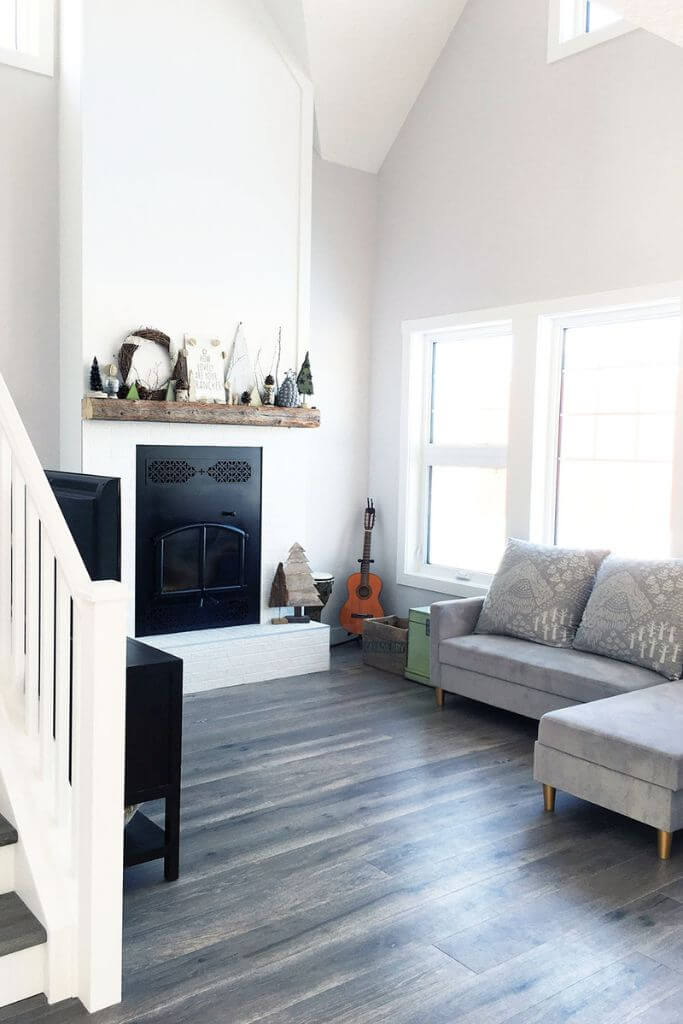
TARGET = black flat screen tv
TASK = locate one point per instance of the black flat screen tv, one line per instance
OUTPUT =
(91, 506)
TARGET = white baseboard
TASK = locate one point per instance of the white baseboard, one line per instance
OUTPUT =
(338, 635)
(22, 974)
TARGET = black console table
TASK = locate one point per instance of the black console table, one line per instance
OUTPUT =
(154, 718)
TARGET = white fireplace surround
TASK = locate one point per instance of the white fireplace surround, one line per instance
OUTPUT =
(224, 657)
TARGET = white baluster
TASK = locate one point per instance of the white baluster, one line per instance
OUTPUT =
(5, 554)
(47, 657)
(62, 697)
(32, 618)
(18, 580)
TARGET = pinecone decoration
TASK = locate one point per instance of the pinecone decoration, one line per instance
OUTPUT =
(288, 393)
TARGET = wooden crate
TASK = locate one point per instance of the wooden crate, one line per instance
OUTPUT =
(385, 643)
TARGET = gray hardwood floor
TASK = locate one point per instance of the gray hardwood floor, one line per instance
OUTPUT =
(351, 854)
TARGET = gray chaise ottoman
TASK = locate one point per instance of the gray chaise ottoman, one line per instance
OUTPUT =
(624, 753)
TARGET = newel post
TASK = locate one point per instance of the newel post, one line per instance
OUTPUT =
(100, 621)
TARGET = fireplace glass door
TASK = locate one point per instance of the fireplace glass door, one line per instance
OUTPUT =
(201, 558)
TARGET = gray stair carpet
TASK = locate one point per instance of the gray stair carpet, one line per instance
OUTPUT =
(19, 929)
(8, 834)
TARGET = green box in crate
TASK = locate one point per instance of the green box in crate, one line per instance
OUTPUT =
(418, 646)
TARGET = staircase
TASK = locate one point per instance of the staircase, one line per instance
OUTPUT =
(22, 936)
(62, 695)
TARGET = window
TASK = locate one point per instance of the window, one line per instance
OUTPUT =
(575, 25)
(558, 422)
(27, 34)
(466, 450)
(616, 432)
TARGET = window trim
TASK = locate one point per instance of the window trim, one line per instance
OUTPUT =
(534, 401)
(42, 62)
(559, 47)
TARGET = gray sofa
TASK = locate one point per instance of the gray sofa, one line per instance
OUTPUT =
(611, 732)
(518, 675)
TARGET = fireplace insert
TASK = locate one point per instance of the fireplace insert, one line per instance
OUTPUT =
(198, 538)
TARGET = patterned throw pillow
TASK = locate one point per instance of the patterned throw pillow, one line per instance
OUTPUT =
(539, 593)
(635, 614)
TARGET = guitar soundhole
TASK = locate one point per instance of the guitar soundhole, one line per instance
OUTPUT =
(363, 593)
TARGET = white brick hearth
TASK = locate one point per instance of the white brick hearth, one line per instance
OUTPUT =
(239, 654)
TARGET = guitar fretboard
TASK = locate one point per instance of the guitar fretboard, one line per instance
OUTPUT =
(365, 561)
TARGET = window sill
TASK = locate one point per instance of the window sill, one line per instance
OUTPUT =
(558, 51)
(441, 584)
(40, 65)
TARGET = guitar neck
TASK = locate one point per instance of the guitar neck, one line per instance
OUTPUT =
(365, 560)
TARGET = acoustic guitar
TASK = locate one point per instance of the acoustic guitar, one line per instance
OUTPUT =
(364, 587)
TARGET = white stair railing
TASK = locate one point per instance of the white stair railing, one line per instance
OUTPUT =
(62, 726)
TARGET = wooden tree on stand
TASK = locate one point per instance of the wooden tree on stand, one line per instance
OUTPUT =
(294, 587)
(279, 597)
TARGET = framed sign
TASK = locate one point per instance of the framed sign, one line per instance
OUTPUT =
(205, 365)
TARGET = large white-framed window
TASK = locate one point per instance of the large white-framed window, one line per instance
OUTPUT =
(559, 422)
(576, 25)
(27, 34)
(609, 383)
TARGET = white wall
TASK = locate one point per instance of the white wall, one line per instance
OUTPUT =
(342, 286)
(29, 341)
(186, 195)
(192, 211)
(514, 180)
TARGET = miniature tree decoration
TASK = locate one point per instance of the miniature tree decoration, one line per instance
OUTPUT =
(279, 598)
(301, 588)
(304, 381)
(96, 377)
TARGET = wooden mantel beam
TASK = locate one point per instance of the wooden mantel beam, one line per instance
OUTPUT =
(121, 410)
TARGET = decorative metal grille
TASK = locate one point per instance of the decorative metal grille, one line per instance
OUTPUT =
(233, 472)
(216, 614)
(169, 471)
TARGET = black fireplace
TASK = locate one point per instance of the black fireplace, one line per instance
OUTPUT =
(198, 538)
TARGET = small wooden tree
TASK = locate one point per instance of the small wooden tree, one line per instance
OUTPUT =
(279, 597)
(301, 588)
(95, 376)
(304, 381)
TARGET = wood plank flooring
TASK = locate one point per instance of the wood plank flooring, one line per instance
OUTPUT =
(351, 854)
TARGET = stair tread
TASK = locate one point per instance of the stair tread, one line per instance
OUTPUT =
(27, 1008)
(8, 833)
(19, 929)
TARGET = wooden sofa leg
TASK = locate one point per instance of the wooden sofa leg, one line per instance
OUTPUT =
(440, 697)
(549, 798)
(664, 844)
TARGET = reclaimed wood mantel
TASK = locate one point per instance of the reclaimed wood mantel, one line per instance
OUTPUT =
(114, 410)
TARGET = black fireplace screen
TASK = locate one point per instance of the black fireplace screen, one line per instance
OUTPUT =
(194, 570)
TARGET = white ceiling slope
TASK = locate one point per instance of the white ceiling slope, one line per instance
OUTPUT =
(663, 17)
(288, 15)
(368, 60)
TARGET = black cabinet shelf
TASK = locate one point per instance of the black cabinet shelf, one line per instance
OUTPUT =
(154, 716)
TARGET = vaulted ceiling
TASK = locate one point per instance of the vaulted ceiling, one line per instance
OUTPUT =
(368, 60)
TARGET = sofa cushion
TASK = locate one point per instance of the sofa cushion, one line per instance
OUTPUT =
(638, 734)
(570, 674)
(635, 614)
(539, 593)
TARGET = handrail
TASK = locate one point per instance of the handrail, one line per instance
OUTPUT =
(42, 496)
